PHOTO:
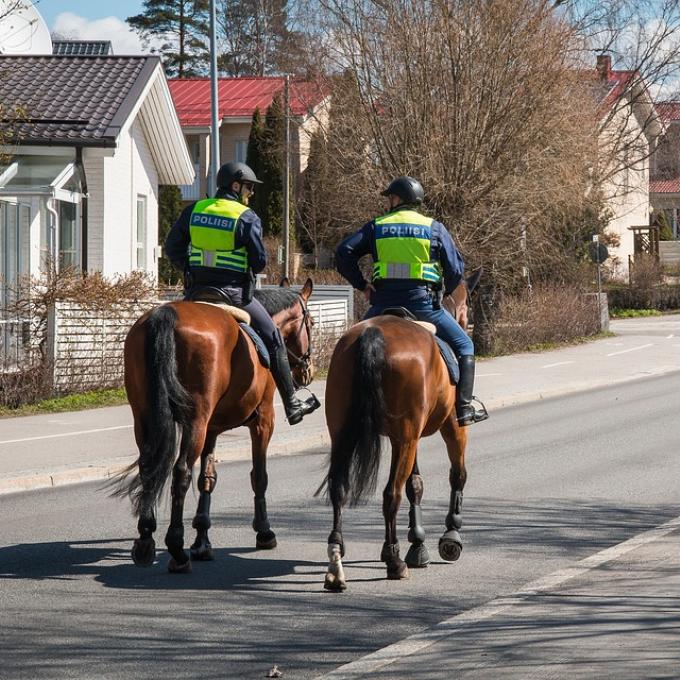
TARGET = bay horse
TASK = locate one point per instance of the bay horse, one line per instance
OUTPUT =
(191, 371)
(387, 378)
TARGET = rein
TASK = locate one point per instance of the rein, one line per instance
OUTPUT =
(304, 361)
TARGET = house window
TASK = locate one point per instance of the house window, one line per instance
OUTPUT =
(69, 251)
(140, 236)
(240, 150)
(15, 224)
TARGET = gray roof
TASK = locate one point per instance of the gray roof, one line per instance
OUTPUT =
(82, 48)
(73, 100)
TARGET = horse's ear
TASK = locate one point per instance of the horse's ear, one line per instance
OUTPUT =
(473, 280)
(307, 289)
(285, 282)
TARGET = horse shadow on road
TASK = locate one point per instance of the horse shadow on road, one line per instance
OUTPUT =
(542, 527)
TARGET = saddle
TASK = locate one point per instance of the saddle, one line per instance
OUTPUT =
(211, 295)
(444, 348)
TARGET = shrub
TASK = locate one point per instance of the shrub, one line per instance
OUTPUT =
(547, 315)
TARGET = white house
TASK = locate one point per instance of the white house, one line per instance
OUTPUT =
(630, 128)
(79, 183)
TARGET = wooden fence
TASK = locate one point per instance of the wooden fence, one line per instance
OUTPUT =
(85, 347)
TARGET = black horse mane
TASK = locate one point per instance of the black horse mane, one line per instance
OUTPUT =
(275, 300)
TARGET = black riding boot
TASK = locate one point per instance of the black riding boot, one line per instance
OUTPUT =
(295, 408)
(465, 410)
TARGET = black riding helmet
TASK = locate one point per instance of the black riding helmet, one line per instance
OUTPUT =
(408, 189)
(235, 172)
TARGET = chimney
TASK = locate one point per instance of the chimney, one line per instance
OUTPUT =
(604, 66)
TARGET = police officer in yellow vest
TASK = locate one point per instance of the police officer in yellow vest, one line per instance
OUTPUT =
(217, 242)
(414, 258)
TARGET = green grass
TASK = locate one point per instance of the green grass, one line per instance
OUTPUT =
(71, 402)
(632, 313)
(548, 346)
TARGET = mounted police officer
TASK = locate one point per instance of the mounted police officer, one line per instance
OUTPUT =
(414, 258)
(217, 242)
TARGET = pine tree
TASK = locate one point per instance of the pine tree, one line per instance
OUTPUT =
(183, 25)
(272, 170)
(254, 158)
(169, 209)
(255, 38)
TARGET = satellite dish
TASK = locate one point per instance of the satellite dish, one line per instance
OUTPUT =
(22, 29)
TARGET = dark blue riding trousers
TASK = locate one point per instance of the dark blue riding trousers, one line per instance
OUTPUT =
(260, 320)
(423, 308)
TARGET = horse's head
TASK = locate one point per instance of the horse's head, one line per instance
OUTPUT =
(458, 302)
(295, 324)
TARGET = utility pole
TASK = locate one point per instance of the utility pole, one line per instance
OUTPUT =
(214, 130)
(286, 179)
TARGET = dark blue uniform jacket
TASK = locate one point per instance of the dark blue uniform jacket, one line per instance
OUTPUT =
(442, 250)
(248, 235)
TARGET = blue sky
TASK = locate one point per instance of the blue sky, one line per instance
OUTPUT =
(88, 9)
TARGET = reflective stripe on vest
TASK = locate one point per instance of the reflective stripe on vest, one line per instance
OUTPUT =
(212, 227)
(402, 242)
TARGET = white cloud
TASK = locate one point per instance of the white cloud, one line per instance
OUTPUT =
(124, 39)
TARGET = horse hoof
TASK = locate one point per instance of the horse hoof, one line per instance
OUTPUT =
(265, 540)
(397, 572)
(333, 584)
(417, 556)
(202, 554)
(144, 552)
(175, 568)
(450, 546)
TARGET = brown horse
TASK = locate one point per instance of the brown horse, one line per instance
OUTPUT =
(387, 378)
(190, 368)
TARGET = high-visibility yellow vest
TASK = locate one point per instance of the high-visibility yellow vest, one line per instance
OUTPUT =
(212, 227)
(403, 239)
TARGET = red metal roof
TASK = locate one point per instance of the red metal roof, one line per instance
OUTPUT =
(665, 186)
(238, 97)
(668, 111)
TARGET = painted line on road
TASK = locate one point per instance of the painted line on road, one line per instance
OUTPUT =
(415, 643)
(670, 336)
(65, 434)
(487, 375)
(631, 349)
(559, 363)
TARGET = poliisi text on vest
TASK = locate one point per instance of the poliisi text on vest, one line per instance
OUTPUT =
(214, 221)
(403, 230)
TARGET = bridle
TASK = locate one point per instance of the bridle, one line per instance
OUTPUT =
(305, 360)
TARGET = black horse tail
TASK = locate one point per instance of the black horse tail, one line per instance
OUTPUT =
(355, 453)
(169, 405)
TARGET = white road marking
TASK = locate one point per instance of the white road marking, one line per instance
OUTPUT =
(487, 375)
(630, 349)
(670, 336)
(65, 434)
(559, 363)
(415, 643)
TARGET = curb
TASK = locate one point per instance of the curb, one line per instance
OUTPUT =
(224, 452)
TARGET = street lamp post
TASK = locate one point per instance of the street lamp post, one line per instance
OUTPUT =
(214, 131)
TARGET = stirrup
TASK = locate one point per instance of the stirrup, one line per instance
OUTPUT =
(305, 407)
(477, 416)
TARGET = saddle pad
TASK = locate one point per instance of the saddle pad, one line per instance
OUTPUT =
(239, 314)
(257, 341)
(449, 359)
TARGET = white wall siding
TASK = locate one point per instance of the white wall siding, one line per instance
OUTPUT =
(145, 183)
(93, 161)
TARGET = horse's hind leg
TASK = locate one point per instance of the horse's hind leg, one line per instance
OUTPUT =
(201, 548)
(450, 544)
(261, 429)
(417, 555)
(144, 547)
(193, 440)
(337, 487)
(403, 458)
